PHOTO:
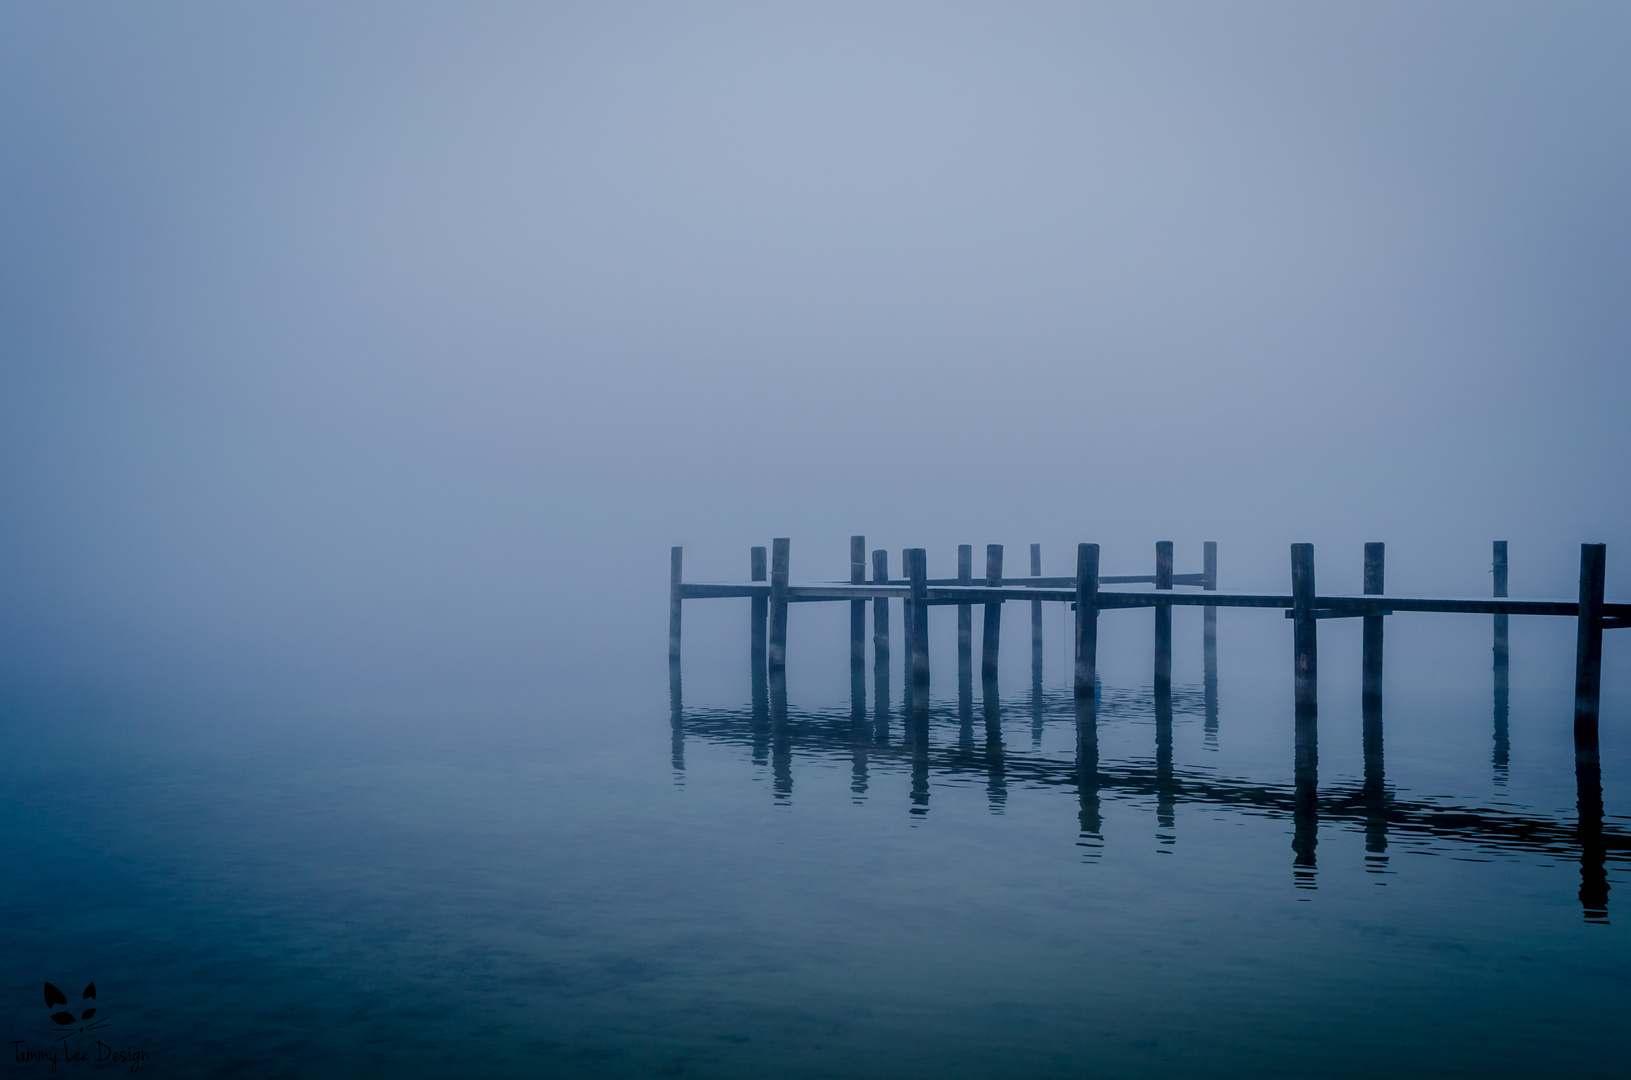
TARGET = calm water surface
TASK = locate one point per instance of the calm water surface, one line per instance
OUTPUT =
(752, 880)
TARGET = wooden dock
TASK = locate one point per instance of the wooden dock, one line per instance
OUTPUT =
(1085, 593)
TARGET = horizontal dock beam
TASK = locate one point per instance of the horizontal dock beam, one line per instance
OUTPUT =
(1327, 606)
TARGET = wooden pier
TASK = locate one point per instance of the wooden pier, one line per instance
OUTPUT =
(769, 728)
(1303, 604)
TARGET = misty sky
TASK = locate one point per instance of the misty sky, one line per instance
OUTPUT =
(344, 341)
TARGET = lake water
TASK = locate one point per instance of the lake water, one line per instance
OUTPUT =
(793, 881)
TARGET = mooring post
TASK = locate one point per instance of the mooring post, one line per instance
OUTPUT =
(880, 608)
(1087, 618)
(917, 570)
(1163, 618)
(965, 621)
(1209, 644)
(1370, 692)
(1502, 669)
(761, 609)
(1588, 656)
(1036, 616)
(857, 608)
(779, 551)
(1305, 636)
(993, 613)
(906, 625)
(676, 559)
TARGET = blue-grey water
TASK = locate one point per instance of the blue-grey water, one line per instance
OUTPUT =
(751, 880)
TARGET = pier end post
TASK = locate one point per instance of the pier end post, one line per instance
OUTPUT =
(676, 560)
(857, 608)
(1371, 649)
(880, 607)
(917, 572)
(779, 557)
(992, 636)
(1163, 618)
(1087, 618)
(1588, 657)
(1305, 635)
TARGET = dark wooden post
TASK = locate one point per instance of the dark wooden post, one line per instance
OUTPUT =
(1087, 618)
(993, 613)
(1036, 616)
(880, 608)
(906, 625)
(1588, 656)
(965, 623)
(1163, 618)
(1371, 650)
(676, 559)
(1502, 668)
(1305, 636)
(917, 570)
(779, 556)
(1209, 644)
(857, 608)
(761, 610)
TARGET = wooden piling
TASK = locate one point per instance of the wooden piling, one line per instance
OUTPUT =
(1209, 644)
(761, 609)
(676, 559)
(1087, 618)
(906, 625)
(917, 572)
(965, 621)
(880, 608)
(1588, 657)
(1501, 668)
(1305, 637)
(993, 613)
(1163, 618)
(1036, 616)
(857, 608)
(779, 558)
(1371, 650)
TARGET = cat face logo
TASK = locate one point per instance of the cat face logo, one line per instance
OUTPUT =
(66, 1021)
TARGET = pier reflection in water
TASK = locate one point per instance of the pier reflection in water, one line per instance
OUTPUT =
(936, 744)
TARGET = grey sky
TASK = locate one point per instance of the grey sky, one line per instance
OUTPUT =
(344, 343)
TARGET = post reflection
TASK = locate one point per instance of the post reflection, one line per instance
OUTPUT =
(1588, 779)
(996, 787)
(1090, 822)
(1166, 801)
(1209, 676)
(917, 734)
(1305, 799)
(1502, 751)
(860, 733)
(1373, 793)
(781, 743)
(676, 711)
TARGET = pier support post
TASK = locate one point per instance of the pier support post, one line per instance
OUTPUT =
(1036, 616)
(1209, 644)
(1087, 619)
(906, 624)
(857, 608)
(965, 623)
(1371, 651)
(1501, 666)
(1588, 656)
(779, 555)
(880, 609)
(1163, 618)
(761, 610)
(993, 613)
(676, 559)
(917, 571)
(1305, 636)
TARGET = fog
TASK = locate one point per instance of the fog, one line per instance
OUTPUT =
(345, 349)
